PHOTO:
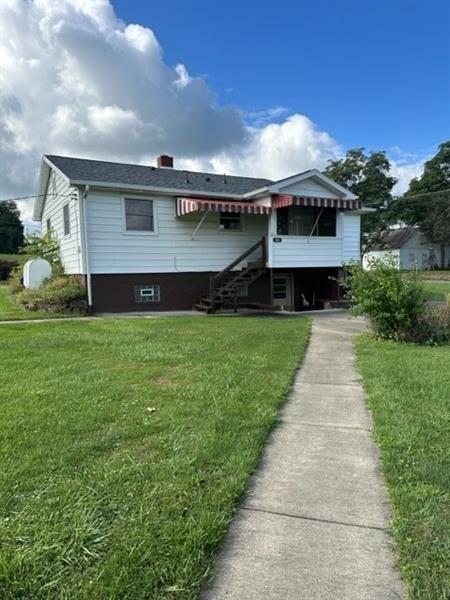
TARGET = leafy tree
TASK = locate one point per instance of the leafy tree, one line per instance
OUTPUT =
(11, 228)
(45, 246)
(424, 206)
(367, 176)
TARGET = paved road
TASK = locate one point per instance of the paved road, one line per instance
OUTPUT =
(313, 524)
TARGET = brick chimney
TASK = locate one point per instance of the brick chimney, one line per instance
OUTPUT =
(165, 161)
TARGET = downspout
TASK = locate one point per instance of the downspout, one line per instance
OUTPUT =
(86, 250)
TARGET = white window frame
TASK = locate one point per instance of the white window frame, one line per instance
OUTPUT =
(124, 215)
(142, 286)
(242, 222)
(338, 229)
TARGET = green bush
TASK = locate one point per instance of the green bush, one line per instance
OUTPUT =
(393, 301)
(433, 327)
(6, 267)
(61, 294)
(15, 280)
(45, 246)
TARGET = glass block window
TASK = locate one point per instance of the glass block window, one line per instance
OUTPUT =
(146, 293)
(139, 215)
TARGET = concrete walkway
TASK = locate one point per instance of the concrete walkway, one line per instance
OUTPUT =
(313, 524)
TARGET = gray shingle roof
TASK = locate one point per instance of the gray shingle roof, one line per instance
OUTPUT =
(80, 169)
(394, 238)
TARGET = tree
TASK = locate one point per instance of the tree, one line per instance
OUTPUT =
(367, 176)
(427, 201)
(11, 228)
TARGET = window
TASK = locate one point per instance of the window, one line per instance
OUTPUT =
(280, 290)
(425, 263)
(139, 215)
(230, 221)
(66, 219)
(144, 294)
(49, 225)
(306, 221)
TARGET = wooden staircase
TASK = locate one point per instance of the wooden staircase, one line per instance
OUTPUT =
(224, 287)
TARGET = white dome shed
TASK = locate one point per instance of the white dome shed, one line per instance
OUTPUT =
(35, 272)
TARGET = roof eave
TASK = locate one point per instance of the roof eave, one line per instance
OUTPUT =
(154, 189)
(276, 186)
(44, 174)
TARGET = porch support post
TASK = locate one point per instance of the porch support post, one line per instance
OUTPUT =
(211, 293)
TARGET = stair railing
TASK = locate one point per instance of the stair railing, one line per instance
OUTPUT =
(215, 279)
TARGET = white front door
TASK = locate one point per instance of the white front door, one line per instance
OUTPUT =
(282, 290)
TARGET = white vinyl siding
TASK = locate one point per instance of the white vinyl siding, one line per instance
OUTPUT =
(289, 251)
(112, 249)
(351, 237)
(295, 251)
(59, 195)
(308, 187)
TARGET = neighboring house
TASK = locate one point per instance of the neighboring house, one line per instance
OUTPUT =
(409, 248)
(157, 238)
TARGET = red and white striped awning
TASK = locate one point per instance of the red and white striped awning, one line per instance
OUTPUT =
(282, 200)
(186, 206)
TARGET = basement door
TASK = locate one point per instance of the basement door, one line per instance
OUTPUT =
(282, 290)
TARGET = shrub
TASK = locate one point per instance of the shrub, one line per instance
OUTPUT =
(61, 294)
(433, 327)
(6, 267)
(393, 301)
(15, 280)
(46, 247)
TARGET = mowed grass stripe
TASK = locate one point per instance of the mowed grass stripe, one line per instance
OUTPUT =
(408, 390)
(126, 445)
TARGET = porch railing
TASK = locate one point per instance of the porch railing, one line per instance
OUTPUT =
(215, 280)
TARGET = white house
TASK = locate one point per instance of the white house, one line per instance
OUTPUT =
(409, 248)
(158, 238)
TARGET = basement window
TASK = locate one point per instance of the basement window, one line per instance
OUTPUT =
(230, 221)
(145, 294)
(306, 221)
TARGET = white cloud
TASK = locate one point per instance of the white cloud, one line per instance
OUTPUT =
(277, 150)
(76, 80)
(404, 172)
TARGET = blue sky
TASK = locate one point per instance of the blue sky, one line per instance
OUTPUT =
(262, 89)
(371, 73)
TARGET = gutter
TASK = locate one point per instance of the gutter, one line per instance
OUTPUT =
(153, 189)
(83, 198)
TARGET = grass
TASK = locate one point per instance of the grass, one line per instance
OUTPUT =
(125, 446)
(10, 311)
(436, 290)
(408, 391)
(18, 258)
(438, 274)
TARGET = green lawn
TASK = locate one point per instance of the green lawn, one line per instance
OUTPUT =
(10, 311)
(125, 446)
(408, 390)
(437, 290)
(432, 275)
(18, 258)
